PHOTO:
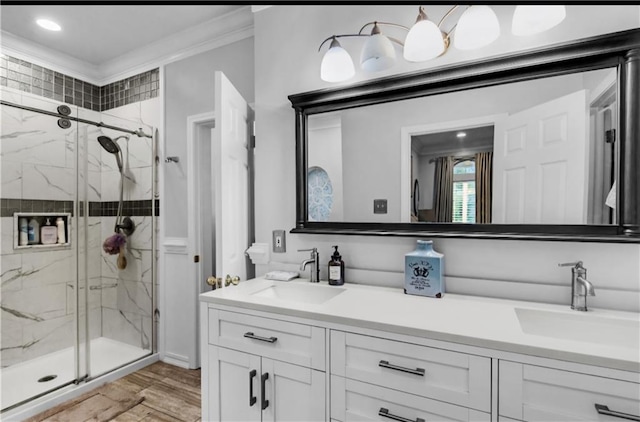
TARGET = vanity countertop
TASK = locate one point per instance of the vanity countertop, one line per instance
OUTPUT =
(475, 321)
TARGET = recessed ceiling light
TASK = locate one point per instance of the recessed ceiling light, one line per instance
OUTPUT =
(47, 24)
(461, 135)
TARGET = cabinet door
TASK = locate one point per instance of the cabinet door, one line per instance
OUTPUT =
(233, 391)
(294, 393)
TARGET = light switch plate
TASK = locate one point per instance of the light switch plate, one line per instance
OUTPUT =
(379, 206)
(279, 241)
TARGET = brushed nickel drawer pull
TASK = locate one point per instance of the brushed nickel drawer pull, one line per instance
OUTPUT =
(604, 410)
(417, 371)
(255, 337)
(385, 413)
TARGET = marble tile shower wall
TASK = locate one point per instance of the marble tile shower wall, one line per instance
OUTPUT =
(38, 298)
(28, 77)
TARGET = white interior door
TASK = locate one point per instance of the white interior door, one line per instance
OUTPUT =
(540, 157)
(231, 179)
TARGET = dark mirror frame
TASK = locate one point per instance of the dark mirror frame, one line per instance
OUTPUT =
(620, 50)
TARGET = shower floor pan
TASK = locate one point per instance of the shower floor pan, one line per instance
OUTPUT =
(20, 381)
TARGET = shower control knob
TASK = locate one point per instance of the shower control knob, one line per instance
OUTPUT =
(227, 280)
(235, 280)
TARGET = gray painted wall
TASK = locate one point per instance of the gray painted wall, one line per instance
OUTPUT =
(189, 90)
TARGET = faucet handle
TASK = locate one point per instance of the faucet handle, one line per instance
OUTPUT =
(312, 250)
(577, 264)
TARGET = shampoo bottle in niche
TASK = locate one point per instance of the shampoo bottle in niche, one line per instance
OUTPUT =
(62, 234)
(23, 231)
(48, 233)
(424, 271)
(33, 231)
(336, 269)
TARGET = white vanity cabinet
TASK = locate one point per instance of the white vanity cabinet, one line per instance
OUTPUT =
(537, 393)
(266, 359)
(374, 378)
(262, 369)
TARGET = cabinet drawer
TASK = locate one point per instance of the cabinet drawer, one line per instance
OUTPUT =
(357, 401)
(535, 393)
(452, 377)
(295, 343)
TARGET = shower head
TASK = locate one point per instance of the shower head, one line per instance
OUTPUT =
(111, 146)
(108, 144)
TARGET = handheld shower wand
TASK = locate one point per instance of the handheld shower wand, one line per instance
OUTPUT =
(111, 146)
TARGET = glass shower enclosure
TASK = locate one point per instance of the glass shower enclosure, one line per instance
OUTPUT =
(72, 309)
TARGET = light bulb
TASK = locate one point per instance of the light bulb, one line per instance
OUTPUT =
(478, 26)
(336, 65)
(531, 20)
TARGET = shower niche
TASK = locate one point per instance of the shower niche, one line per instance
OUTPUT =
(28, 232)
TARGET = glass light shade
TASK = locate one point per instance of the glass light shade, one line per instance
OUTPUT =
(531, 20)
(336, 65)
(377, 54)
(424, 42)
(478, 26)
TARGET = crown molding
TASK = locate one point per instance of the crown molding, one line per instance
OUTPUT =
(214, 33)
(217, 32)
(24, 49)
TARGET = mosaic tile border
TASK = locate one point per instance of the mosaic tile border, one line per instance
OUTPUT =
(38, 80)
(142, 208)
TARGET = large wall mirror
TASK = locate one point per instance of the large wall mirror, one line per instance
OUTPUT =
(538, 145)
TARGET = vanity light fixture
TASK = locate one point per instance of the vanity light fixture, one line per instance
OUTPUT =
(477, 27)
(48, 24)
(461, 135)
(425, 40)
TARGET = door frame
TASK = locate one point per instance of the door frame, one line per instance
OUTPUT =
(407, 132)
(195, 275)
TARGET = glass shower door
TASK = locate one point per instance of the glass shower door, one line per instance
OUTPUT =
(72, 310)
(39, 279)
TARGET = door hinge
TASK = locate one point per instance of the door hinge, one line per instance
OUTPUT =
(196, 258)
(253, 128)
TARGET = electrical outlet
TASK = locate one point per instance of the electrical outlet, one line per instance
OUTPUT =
(279, 241)
(379, 206)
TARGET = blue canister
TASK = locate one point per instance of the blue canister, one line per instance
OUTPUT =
(423, 271)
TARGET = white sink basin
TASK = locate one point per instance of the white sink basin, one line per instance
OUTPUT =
(580, 326)
(296, 292)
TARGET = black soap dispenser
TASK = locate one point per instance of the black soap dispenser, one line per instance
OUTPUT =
(336, 269)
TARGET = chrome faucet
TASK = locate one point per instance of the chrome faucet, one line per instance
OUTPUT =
(314, 260)
(580, 286)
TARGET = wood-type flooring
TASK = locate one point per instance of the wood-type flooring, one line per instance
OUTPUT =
(159, 392)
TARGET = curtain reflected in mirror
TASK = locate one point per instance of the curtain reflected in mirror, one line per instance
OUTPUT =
(484, 182)
(444, 190)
